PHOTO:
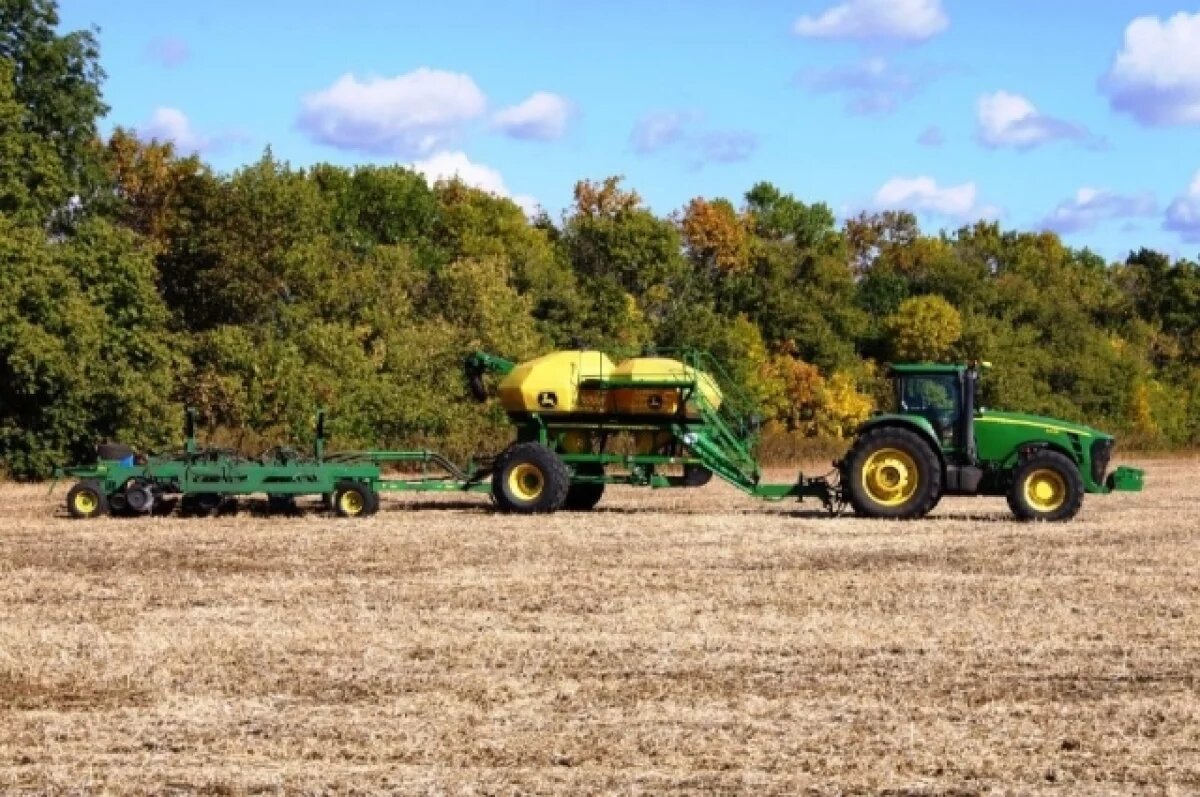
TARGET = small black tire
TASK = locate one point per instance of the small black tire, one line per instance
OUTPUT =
(583, 497)
(200, 504)
(529, 478)
(879, 471)
(696, 475)
(353, 500)
(281, 504)
(1046, 487)
(86, 499)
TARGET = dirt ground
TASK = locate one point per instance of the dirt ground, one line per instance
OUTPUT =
(673, 641)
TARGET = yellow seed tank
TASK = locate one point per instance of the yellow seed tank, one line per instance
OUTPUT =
(657, 399)
(550, 383)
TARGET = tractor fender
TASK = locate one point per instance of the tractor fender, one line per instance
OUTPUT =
(915, 424)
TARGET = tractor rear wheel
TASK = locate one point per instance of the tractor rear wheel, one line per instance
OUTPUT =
(530, 478)
(891, 472)
(86, 500)
(1047, 486)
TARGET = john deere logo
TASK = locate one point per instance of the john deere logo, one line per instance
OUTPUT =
(547, 400)
(654, 402)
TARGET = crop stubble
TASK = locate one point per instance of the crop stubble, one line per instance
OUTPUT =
(692, 641)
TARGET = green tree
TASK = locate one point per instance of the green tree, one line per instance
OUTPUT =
(924, 328)
(50, 101)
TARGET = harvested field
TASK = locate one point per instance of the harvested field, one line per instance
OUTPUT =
(672, 642)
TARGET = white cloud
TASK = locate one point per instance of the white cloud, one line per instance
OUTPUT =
(172, 124)
(1183, 214)
(924, 195)
(541, 117)
(1155, 77)
(169, 51)
(661, 129)
(931, 136)
(872, 86)
(1011, 120)
(1090, 206)
(902, 20)
(448, 165)
(410, 115)
(683, 131)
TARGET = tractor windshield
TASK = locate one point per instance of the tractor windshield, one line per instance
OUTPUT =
(936, 398)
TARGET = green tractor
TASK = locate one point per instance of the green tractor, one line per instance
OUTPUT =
(938, 441)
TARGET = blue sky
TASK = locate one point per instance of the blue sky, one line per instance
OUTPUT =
(1081, 116)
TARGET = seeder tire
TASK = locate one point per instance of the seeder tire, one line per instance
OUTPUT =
(583, 497)
(86, 499)
(530, 479)
(354, 499)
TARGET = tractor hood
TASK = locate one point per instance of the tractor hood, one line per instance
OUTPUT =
(1039, 422)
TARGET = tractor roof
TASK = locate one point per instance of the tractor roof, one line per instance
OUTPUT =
(926, 368)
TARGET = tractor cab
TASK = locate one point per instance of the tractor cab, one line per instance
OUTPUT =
(946, 398)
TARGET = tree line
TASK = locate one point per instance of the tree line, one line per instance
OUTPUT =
(138, 280)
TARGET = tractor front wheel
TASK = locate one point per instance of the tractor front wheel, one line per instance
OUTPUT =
(893, 473)
(1047, 486)
(530, 478)
(86, 500)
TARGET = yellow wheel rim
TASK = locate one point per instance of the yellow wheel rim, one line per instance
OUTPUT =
(890, 477)
(1045, 490)
(85, 503)
(351, 502)
(526, 482)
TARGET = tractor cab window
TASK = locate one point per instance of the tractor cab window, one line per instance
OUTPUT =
(936, 398)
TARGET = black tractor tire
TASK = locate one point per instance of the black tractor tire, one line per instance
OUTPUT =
(529, 478)
(878, 468)
(696, 475)
(112, 452)
(354, 500)
(86, 499)
(1046, 487)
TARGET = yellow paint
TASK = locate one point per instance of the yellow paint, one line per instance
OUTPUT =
(526, 482)
(85, 503)
(1045, 490)
(660, 400)
(550, 383)
(890, 477)
(351, 503)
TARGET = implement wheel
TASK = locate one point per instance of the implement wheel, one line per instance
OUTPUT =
(530, 478)
(1047, 486)
(583, 497)
(86, 500)
(892, 473)
(354, 499)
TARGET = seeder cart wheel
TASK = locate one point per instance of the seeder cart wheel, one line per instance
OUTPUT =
(530, 478)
